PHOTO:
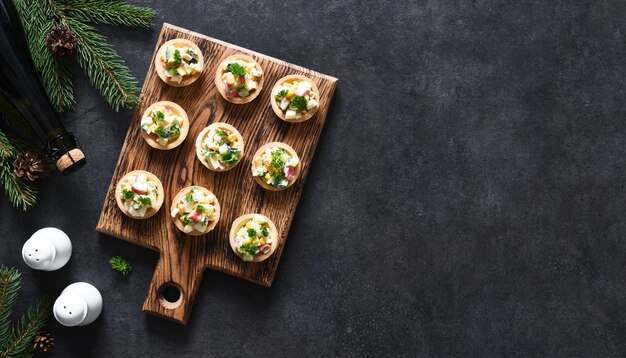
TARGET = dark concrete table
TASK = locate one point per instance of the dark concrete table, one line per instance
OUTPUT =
(467, 196)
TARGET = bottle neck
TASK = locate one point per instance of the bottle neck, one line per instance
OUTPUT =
(66, 153)
(23, 90)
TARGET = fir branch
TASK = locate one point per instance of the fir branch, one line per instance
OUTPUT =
(27, 328)
(6, 148)
(21, 195)
(57, 78)
(104, 67)
(9, 286)
(112, 12)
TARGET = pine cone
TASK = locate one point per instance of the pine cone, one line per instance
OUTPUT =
(43, 342)
(61, 40)
(28, 165)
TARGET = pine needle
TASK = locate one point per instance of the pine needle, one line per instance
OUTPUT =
(104, 67)
(9, 286)
(55, 72)
(111, 12)
(27, 328)
(17, 340)
(21, 195)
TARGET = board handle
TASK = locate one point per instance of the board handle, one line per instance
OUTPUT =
(173, 289)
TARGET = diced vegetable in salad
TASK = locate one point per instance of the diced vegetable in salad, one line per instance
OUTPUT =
(221, 148)
(195, 210)
(295, 98)
(163, 123)
(276, 167)
(254, 238)
(240, 78)
(179, 62)
(138, 193)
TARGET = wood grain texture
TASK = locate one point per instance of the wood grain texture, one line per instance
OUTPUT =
(184, 258)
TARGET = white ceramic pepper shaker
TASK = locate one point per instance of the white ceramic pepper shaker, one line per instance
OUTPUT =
(47, 249)
(78, 305)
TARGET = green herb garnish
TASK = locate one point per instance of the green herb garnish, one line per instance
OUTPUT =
(159, 116)
(265, 231)
(250, 249)
(118, 263)
(174, 65)
(252, 233)
(200, 208)
(185, 220)
(175, 130)
(144, 200)
(189, 198)
(160, 131)
(222, 133)
(236, 69)
(278, 177)
(298, 103)
(277, 161)
(230, 157)
(280, 95)
(128, 194)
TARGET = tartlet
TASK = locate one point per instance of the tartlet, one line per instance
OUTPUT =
(295, 98)
(179, 62)
(139, 194)
(276, 166)
(164, 125)
(253, 237)
(195, 210)
(239, 78)
(219, 147)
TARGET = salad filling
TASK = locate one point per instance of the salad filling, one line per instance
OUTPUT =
(254, 238)
(295, 98)
(221, 148)
(240, 78)
(179, 62)
(195, 210)
(138, 193)
(276, 167)
(164, 123)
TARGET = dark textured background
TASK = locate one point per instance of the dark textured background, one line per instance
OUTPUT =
(467, 195)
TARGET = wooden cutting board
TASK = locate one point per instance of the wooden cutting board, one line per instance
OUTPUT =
(183, 258)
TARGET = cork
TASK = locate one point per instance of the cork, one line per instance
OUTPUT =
(73, 157)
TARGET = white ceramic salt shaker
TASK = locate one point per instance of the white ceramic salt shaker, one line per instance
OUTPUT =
(78, 305)
(47, 249)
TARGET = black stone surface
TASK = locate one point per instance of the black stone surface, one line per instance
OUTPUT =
(466, 198)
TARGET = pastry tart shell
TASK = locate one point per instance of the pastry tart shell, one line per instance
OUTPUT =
(160, 194)
(241, 221)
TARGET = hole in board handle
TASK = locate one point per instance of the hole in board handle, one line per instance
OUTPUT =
(170, 295)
